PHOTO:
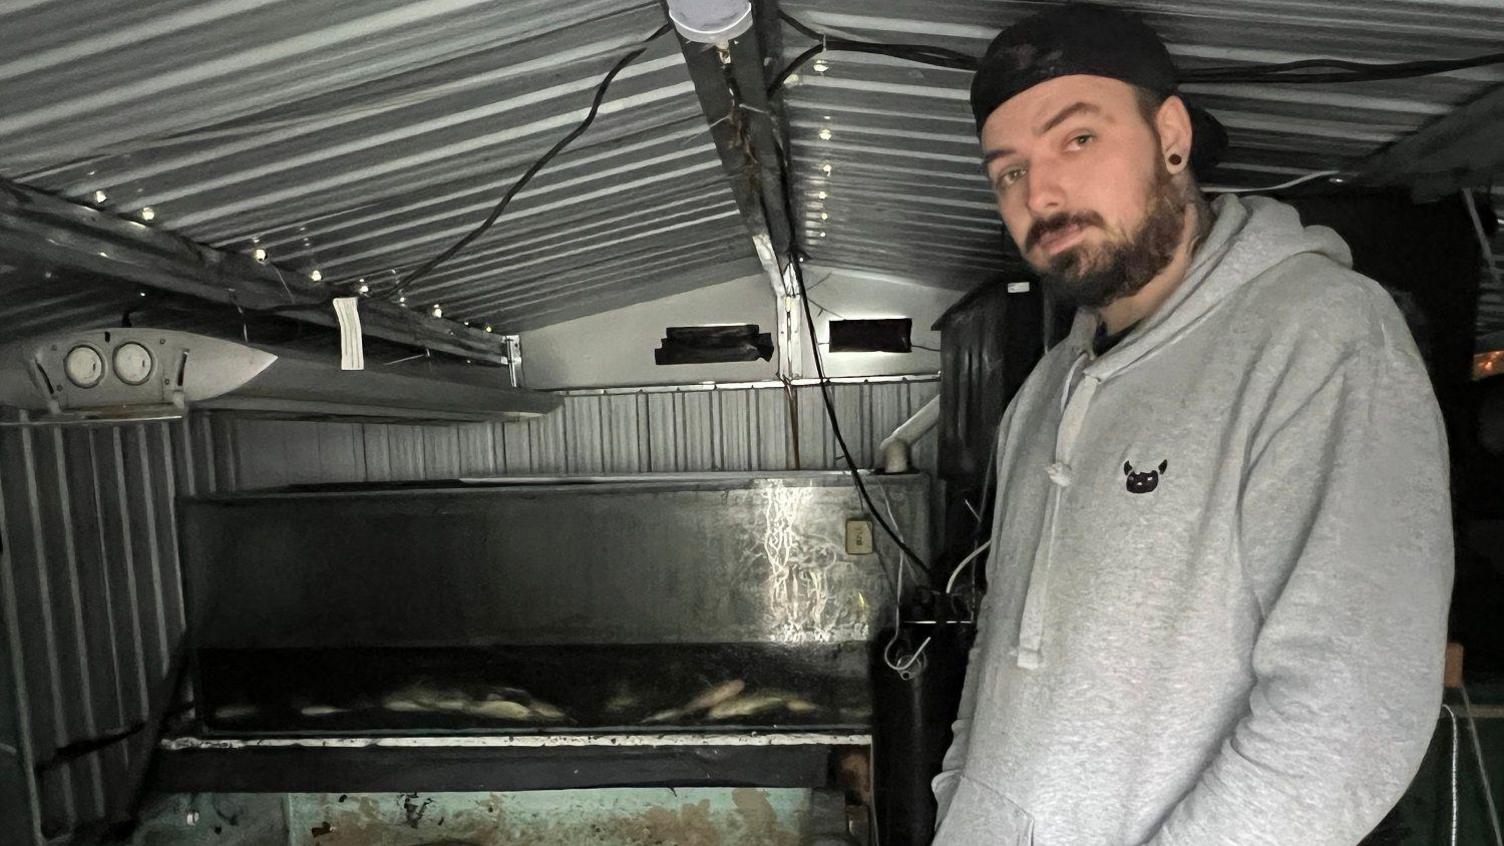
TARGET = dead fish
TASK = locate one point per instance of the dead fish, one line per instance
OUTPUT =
(321, 710)
(760, 702)
(503, 709)
(746, 706)
(403, 704)
(234, 712)
(793, 702)
(621, 702)
(707, 699)
(545, 710)
(664, 716)
(716, 695)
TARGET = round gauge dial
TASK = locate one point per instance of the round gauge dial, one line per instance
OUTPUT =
(84, 366)
(132, 363)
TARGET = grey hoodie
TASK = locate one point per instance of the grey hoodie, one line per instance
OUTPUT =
(1220, 568)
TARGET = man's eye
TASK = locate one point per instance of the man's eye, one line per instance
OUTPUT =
(1010, 176)
(1082, 139)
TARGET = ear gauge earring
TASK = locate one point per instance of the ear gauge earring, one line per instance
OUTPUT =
(1175, 159)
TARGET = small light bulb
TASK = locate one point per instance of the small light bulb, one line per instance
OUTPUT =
(826, 167)
(824, 135)
(316, 276)
(488, 328)
(822, 233)
(258, 254)
(147, 213)
(792, 80)
(823, 195)
(402, 300)
(438, 310)
(364, 288)
(99, 197)
(821, 67)
(824, 216)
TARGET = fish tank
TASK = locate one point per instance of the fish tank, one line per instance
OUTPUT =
(721, 602)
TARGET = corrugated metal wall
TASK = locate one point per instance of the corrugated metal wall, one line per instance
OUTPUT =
(627, 431)
(89, 576)
(90, 593)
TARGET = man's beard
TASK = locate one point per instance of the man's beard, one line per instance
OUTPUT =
(1091, 277)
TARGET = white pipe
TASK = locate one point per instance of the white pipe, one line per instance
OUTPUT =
(893, 452)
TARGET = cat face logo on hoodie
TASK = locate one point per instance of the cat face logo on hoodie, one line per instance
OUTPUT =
(1142, 483)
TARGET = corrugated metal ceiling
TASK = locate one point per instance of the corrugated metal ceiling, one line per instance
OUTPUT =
(360, 138)
(904, 194)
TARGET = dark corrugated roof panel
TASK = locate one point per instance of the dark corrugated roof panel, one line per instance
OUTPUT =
(904, 192)
(361, 138)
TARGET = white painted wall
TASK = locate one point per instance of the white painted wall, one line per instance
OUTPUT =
(615, 348)
(853, 295)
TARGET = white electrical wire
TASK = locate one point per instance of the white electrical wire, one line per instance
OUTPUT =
(1453, 715)
(901, 668)
(1299, 180)
(1488, 250)
(956, 573)
(1488, 790)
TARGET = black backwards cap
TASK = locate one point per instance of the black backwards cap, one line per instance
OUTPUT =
(1085, 38)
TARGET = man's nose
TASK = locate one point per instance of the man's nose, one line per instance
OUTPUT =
(1045, 194)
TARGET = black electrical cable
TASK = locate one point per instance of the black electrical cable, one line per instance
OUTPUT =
(944, 56)
(1355, 71)
(1279, 73)
(784, 170)
(406, 283)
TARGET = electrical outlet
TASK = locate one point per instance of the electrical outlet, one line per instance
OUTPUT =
(858, 537)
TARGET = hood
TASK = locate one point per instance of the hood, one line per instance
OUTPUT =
(143, 373)
(1250, 235)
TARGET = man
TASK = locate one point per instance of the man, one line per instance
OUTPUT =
(1222, 555)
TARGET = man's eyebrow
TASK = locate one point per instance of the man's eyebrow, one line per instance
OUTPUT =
(1066, 113)
(1082, 108)
(993, 155)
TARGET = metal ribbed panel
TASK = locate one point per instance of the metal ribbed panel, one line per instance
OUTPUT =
(619, 432)
(92, 590)
(905, 193)
(362, 138)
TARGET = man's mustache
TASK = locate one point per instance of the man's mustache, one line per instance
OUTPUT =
(1060, 221)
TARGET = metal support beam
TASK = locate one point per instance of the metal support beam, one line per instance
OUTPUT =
(1461, 150)
(731, 82)
(53, 233)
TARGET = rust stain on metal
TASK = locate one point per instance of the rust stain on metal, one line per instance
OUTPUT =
(412, 810)
(365, 821)
(689, 825)
(761, 819)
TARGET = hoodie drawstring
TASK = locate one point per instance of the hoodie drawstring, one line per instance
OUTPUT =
(1075, 401)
